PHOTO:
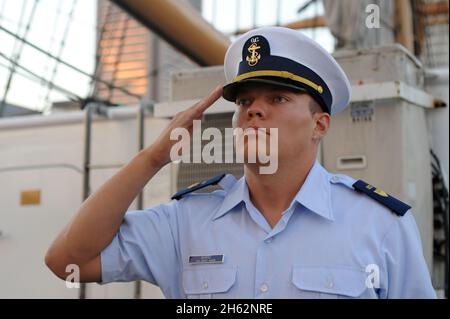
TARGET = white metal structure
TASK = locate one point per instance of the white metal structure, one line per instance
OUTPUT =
(44, 156)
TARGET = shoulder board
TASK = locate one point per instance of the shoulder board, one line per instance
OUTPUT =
(398, 207)
(197, 186)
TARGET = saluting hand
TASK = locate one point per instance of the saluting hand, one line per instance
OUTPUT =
(160, 149)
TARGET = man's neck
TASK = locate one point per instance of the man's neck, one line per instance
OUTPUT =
(273, 193)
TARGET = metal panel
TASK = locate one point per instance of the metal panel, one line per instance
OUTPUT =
(381, 64)
(195, 83)
(190, 173)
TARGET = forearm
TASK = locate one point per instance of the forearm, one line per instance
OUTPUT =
(100, 216)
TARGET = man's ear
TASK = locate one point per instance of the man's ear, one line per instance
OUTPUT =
(321, 125)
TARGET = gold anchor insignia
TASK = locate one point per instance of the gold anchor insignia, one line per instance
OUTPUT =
(255, 56)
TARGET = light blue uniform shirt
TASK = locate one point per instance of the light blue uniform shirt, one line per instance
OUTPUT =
(332, 242)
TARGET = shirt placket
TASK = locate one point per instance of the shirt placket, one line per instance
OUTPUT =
(263, 284)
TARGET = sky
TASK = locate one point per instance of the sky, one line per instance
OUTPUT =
(47, 30)
(218, 12)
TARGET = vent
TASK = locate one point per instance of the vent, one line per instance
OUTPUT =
(190, 173)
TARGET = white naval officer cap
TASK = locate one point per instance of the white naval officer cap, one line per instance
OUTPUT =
(285, 57)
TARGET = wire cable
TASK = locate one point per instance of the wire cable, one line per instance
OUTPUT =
(96, 78)
(60, 51)
(17, 53)
(42, 80)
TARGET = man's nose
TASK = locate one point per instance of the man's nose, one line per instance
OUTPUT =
(256, 109)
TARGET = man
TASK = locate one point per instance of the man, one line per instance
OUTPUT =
(298, 233)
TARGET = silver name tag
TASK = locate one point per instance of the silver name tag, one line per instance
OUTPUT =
(211, 259)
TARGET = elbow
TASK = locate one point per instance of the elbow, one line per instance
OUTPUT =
(54, 264)
(49, 260)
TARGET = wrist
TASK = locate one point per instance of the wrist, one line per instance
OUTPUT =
(152, 157)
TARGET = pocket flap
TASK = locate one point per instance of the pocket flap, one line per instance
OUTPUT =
(338, 281)
(208, 280)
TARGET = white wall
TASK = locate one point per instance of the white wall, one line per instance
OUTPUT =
(56, 152)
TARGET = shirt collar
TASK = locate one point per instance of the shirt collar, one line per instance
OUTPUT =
(315, 194)
(235, 195)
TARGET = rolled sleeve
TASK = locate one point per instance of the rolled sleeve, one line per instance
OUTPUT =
(144, 248)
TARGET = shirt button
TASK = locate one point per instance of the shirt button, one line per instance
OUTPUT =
(205, 285)
(330, 282)
(264, 287)
(335, 179)
(268, 240)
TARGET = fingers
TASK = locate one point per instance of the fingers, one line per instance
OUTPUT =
(209, 100)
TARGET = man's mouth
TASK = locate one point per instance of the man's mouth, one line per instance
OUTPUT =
(255, 129)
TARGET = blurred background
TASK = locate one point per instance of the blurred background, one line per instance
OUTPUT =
(84, 85)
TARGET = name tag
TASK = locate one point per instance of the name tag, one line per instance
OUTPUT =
(211, 259)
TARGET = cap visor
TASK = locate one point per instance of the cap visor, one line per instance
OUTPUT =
(230, 90)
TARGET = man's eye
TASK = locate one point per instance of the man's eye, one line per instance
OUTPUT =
(280, 99)
(241, 102)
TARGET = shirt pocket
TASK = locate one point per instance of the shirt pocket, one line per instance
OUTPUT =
(208, 282)
(328, 282)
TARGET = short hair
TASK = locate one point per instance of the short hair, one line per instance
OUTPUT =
(315, 107)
